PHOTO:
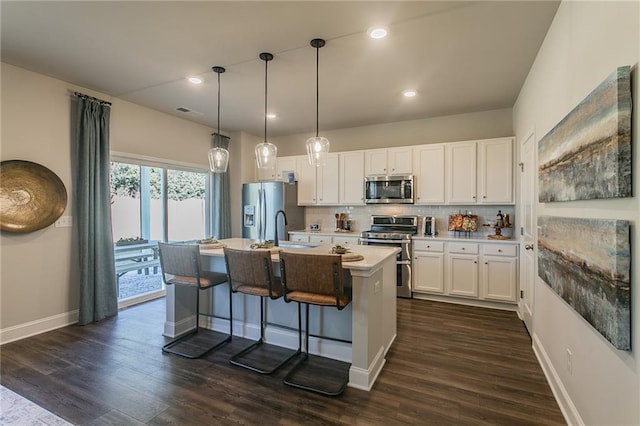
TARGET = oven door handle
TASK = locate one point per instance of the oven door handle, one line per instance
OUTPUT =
(369, 240)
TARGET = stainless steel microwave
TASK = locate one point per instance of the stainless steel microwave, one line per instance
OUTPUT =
(388, 189)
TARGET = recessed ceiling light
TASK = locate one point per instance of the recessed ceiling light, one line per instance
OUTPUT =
(409, 93)
(377, 32)
(194, 80)
(271, 116)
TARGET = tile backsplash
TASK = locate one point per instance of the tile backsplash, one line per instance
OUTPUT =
(361, 216)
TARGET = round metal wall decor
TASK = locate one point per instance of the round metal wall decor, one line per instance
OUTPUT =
(32, 197)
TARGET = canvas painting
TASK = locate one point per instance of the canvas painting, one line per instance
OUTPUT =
(587, 262)
(588, 154)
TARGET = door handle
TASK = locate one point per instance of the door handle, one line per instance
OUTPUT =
(528, 246)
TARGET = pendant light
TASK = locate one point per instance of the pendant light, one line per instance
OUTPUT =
(318, 146)
(266, 152)
(218, 156)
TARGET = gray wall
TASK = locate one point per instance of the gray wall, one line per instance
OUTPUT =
(586, 42)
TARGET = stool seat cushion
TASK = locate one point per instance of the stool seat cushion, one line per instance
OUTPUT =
(207, 279)
(318, 299)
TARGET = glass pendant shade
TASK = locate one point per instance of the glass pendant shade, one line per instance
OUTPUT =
(317, 150)
(218, 160)
(317, 146)
(266, 154)
(218, 156)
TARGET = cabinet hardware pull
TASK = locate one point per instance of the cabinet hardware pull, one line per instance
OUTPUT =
(528, 247)
(499, 250)
(484, 196)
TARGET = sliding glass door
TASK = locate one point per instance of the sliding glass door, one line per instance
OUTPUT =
(151, 203)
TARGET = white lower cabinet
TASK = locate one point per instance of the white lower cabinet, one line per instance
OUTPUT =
(484, 272)
(345, 240)
(428, 266)
(321, 239)
(499, 273)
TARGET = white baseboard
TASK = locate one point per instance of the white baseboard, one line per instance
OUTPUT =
(175, 329)
(21, 331)
(360, 378)
(506, 306)
(569, 411)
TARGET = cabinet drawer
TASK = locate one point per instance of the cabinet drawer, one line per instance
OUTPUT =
(320, 239)
(302, 238)
(499, 250)
(464, 248)
(426, 245)
(346, 241)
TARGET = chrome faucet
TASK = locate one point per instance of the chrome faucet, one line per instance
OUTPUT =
(275, 237)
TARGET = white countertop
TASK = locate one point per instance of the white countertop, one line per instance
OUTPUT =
(475, 239)
(374, 256)
(332, 233)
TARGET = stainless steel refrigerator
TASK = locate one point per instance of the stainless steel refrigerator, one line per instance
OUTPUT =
(260, 203)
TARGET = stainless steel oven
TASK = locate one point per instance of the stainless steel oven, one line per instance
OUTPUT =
(395, 231)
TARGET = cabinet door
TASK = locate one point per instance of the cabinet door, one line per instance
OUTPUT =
(265, 174)
(429, 169)
(461, 173)
(285, 164)
(375, 162)
(352, 178)
(306, 182)
(495, 171)
(399, 161)
(428, 272)
(328, 181)
(462, 273)
(499, 278)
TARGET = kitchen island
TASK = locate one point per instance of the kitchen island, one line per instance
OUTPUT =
(361, 334)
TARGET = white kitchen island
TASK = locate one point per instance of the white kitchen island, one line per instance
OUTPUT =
(361, 334)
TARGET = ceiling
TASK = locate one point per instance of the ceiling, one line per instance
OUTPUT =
(460, 56)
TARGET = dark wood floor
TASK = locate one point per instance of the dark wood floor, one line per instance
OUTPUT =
(451, 364)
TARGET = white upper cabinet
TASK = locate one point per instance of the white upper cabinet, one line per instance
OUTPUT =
(461, 172)
(392, 161)
(265, 174)
(428, 165)
(285, 164)
(495, 171)
(376, 162)
(351, 177)
(318, 185)
(480, 172)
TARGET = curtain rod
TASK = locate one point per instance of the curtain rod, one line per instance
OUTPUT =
(91, 98)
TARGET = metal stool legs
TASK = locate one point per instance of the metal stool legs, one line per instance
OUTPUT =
(236, 359)
(169, 347)
(331, 387)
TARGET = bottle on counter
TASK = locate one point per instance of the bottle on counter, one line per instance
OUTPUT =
(499, 220)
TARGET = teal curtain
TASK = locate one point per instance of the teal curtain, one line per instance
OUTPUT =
(98, 288)
(221, 194)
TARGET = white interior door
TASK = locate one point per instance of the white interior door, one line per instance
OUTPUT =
(528, 230)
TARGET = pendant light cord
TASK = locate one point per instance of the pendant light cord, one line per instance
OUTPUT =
(218, 103)
(317, 87)
(265, 100)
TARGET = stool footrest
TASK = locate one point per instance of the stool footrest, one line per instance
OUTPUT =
(267, 358)
(189, 340)
(319, 374)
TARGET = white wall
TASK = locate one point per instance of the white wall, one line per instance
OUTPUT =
(586, 42)
(39, 273)
(451, 128)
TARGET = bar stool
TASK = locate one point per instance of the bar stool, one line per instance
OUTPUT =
(251, 273)
(180, 264)
(315, 279)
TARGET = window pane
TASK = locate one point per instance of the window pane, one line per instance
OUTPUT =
(186, 205)
(125, 200)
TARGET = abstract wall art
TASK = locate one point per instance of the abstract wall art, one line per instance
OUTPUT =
(587, 155)
(587, 262)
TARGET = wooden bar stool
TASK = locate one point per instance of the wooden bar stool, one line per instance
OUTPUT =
(315, 279)
(251, 273)
(180, 264)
